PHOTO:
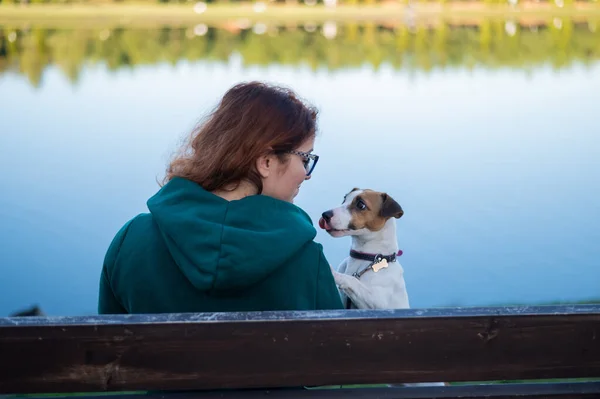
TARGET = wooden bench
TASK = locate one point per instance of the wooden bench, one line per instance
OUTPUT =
(222, 355)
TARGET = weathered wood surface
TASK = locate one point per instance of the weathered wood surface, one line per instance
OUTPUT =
(586, 309)
(577, 390)
(291, 349)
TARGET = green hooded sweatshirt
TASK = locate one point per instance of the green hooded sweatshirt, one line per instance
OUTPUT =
(197, 252)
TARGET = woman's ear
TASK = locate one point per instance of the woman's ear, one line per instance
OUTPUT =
(264, 165)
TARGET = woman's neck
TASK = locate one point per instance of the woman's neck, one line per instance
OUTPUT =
(233, 193)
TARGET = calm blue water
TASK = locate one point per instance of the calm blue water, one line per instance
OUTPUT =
(498, 172)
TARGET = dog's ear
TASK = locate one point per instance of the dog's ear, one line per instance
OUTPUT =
(390, 208)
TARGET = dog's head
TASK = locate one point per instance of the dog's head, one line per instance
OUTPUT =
(362, 211)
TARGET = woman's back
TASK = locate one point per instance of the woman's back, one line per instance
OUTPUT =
(197, 252)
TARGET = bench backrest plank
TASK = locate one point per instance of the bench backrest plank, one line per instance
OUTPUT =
(288, 349)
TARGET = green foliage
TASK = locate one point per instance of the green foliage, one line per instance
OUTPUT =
(492, 44)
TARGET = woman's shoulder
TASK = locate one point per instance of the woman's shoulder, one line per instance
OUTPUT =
(139, 222)
(131, 230)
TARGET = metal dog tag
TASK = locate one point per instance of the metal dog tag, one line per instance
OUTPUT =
(382, 264)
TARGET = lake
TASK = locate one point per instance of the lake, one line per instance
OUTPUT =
(486, 133)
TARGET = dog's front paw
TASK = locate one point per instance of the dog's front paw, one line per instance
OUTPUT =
(340, 279)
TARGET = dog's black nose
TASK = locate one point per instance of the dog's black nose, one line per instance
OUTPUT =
(327, 215)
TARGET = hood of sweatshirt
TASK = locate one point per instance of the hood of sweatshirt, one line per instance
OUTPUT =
(222, 245)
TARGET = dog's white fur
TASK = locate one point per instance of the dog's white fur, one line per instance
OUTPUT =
(385, 289)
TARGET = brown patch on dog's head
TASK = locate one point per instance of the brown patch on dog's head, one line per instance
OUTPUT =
(371, 209)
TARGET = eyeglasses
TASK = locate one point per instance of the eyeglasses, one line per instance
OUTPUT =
(309, 160)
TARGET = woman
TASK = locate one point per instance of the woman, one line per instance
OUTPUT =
(223, 233)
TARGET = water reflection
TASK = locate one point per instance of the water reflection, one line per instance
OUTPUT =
(492, 44)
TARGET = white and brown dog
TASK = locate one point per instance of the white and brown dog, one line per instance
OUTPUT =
(371, 277)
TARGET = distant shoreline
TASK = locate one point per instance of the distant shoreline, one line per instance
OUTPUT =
(178, 14)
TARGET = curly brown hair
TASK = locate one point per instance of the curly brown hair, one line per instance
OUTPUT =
(251, 120)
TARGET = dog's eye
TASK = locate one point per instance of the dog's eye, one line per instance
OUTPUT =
(361, 205)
